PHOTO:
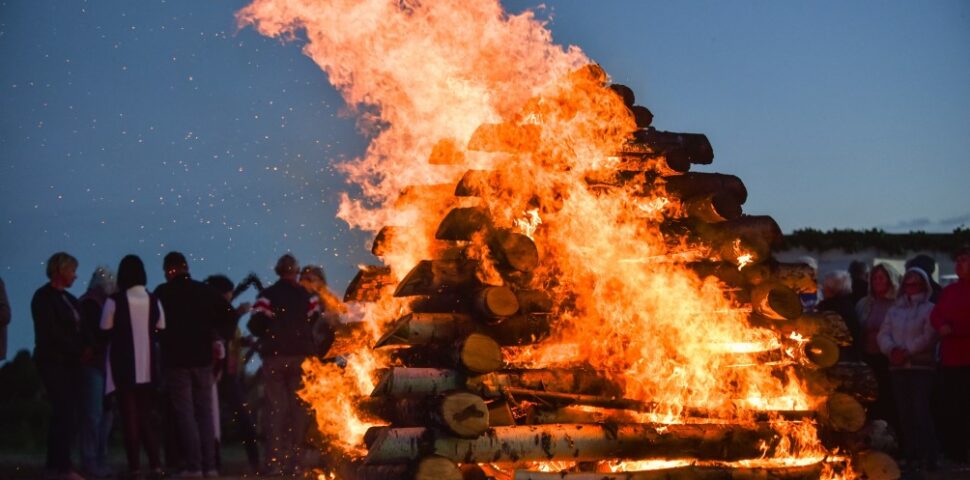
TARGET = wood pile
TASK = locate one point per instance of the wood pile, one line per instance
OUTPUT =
(455, 410)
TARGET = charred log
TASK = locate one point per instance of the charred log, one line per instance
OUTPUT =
(368, 284)
(431, 277)
(854, 378)
(463, 223)
(574, 442)
(515, 250)
(697, 184)
(461, 413)
(692, 472)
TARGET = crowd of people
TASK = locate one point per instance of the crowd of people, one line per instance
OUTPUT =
(167, 359)
(915, 335)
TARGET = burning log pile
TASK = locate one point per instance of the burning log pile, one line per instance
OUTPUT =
(484, 373)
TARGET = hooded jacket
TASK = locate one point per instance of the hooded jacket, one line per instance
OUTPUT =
(953, 310)
(907, 325)
(869, 324)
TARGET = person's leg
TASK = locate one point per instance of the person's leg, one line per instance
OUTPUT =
(61, 384)
(902, 393)
(92, 393)
(275, 399)
(202, 405)
(298, 413)
(104, 432)
(181, 394)
(145, 401)
(232, 394)
(959, 381)
(129, 421)
(923, 387)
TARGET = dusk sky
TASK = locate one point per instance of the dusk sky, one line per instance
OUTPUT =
(145, 127)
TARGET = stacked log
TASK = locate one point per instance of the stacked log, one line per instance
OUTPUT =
(452, 402)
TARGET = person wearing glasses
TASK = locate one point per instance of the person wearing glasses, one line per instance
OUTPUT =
(907, 337)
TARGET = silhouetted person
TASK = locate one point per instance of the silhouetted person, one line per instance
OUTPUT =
(283, 319)
(96, 419)
(4, 320)
(230, 379)
(908, 339)
(860, 279)
(189, 346)
(57, 351)
(133, 317)
(951, 319)
(871, 312)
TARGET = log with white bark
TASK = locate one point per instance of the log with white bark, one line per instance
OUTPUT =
(463, 414)
(577, 442)
(690, 472)
(417, 382)
(417, 329)
(561, 380)
(475, 353)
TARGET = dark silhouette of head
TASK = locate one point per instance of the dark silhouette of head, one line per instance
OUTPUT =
(174, 265)
(131, 272)
(220, 283)
(287, 267)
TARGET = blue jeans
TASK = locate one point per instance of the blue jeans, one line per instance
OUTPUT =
(95, 421)
(190, 391)
(912, 389)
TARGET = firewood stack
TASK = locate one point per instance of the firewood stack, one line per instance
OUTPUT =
(456, 410)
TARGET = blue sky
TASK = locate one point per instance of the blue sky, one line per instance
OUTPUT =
(142, 127)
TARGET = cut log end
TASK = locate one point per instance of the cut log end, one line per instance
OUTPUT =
(843, 413)
(481, 354)
(497, 301)
(465, 414)
(776, 301)
(436, 467)
(876, 465)
(822, 351)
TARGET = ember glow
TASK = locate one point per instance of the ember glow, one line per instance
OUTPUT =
(473, 88)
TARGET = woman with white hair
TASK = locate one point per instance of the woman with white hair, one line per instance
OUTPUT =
(95, 425)
(837, 297)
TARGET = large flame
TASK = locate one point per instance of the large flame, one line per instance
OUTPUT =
(424, 76)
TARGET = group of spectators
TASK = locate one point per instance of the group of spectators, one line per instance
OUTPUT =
(916, 337)
(166, 358)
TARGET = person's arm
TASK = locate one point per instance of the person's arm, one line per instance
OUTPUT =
(261, 315)
(924, 338)
(108, 315)
(160, 325)
(44, 312)
(885, 336)
(4, 305)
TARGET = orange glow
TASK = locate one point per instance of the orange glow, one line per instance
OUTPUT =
(503, 98)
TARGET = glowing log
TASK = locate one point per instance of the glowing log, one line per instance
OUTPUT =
(476, 353)
(691, 472)
(446, 152)
(437, 195)
(463, 223)
(495, 303)
(383, 239)
(697, 184)
(875, 465)
(515, 250)
(505, 137)
(368, 284)
(500, 413)
(417, 382)
(430, 277)
(827, 324)
(716, 207)
(439, 328)
(843, 413)
(476, 183)
(544, 415)
(822, 351)
(472, 471)
(796, 276)
(461, 413)
(754, 234)
(775, 301)
(854, 378)
(561, 380)
(576, 442)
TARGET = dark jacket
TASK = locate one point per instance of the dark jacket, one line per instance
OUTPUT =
(844, 305)
(4, 320)
(192, 311)
(57, 333)
(90, 306)
(283, 319)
